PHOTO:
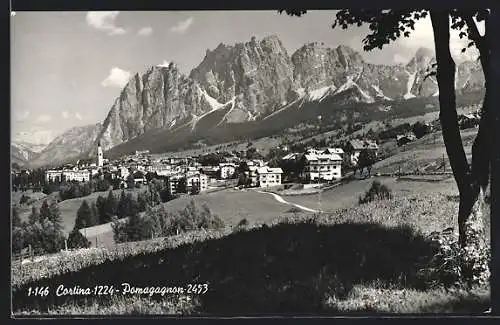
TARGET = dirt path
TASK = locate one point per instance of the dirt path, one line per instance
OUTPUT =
(281, 200)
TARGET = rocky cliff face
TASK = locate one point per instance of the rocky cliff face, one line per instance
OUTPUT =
(160, 98)
(71, 143)
(249, 81)
(258, 74)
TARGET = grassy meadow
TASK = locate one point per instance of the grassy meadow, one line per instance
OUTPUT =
(299, 264)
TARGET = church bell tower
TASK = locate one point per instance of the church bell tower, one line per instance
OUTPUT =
(100, 158)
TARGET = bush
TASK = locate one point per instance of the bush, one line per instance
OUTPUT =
(77, 240)
(452, 265)
(377, 191)
(160, 223)
(24, 199)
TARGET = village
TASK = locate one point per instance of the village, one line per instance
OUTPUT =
(319, 165)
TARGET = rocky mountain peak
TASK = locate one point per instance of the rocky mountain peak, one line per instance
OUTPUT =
(422, 59)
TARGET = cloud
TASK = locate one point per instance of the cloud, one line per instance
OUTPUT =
(43, 118)
(65, 114)
(165, 64)
(116, 78)
(400, 59)
(78, 116)
(145, 31)
(182, 26)
(423, 36)
(105, 21)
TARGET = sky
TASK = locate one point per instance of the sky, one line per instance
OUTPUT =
(67, 68)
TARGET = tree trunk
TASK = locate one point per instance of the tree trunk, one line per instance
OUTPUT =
(493, 23)
(468, 184)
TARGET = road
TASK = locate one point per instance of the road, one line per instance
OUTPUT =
(281, 200)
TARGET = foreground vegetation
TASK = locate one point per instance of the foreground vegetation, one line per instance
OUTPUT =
(378, 256)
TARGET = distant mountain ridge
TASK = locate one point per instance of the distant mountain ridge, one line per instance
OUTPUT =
(247, 82)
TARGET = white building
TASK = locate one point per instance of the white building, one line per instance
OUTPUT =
(227, 170)
(268, 176)
(197, 179)
(53, 175)
(76, 175)
(191, 179)
(254, 176)
(123, 172)
(322, 166)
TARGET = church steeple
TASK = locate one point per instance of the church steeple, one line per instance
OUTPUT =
(100, 158)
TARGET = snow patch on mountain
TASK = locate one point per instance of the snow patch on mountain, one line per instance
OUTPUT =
(319, 94)
(212, 101)
(409, 85)
(379, 93)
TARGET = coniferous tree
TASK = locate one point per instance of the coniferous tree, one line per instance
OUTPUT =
(101, 208)
(16, 220)
(95, 214)
(55, 216)
(110, 207)
(141, 202)
(77, 240)
(34, 217)
(123, 206)
(83, 216)
(45, 211)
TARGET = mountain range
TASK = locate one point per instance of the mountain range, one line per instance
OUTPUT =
(247, 90)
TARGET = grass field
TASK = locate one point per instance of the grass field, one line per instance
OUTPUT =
(35, 196)
(230, 205)
(427, 151)
(347, 195)
(300, 265)
(68, 208)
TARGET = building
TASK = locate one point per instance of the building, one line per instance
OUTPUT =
(198, 179)
(76, 175)
(337, 151)
(123, 172)
(268, 176)
(191, 179)
(322, 167)
(356, 146)
(139, 177)
(210, 171)
(141, 152)
(253, 175)
(227, 170)
(100, 157)
(53, 176)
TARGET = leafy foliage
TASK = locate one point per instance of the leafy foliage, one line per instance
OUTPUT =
(160, 223)
(77, 240)
(452, 265)
(377, 191)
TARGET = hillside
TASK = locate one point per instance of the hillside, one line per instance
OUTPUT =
(296, 264)
(254, 89)
(68, 145)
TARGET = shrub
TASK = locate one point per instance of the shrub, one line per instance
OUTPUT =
(452, 265)
(294, 209)
(377, 191)
(77, 240)
(243, 223)
(24, 199)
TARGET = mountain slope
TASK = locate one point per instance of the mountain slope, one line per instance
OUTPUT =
(254, 88)
(160, 98)
(70, 144)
